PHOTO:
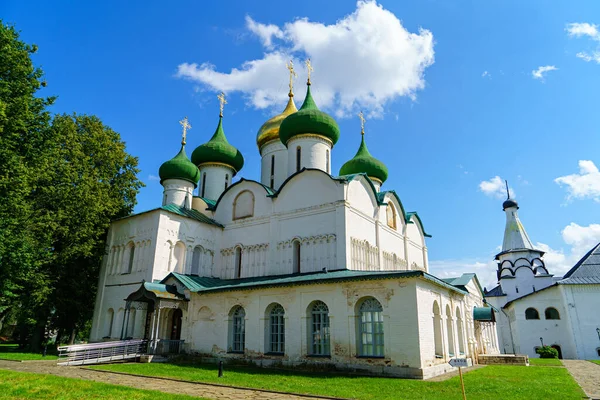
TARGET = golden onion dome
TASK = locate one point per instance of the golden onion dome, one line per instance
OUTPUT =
(269, 131)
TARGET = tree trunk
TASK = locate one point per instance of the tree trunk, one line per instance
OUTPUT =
(72, 337)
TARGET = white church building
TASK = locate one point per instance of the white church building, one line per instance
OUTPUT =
(302, 268)
(536, 308)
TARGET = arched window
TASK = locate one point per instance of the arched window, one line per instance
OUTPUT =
(370, 334)
(327, 160)
(238, 262)
(273, 170)
(237, 329)
(226, 181)
(243, 205)
(459, 332)
(110, 319)
(391, 215)
(203, 184)
(437, 331)
(179, 256)
(298, 158)
(532, 313)
(552, 313)
(276, 329)
(450, 331)
(131, 249)
(197, 259)
(319, 329)
(296, 256)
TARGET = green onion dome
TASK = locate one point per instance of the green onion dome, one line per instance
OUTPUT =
(179, 167)
(364, 162)
(309, 120)
(218, 150)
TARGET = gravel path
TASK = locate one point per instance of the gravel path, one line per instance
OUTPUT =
(164, 385)
(587, 375)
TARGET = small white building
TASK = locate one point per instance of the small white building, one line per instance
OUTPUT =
(304, 267)
(535, 307)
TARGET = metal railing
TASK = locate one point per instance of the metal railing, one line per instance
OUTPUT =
(96, 353)
(165, 346)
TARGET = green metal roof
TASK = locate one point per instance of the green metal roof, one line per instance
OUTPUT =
(200, 284)
(194, 214)
(363, 161)
(484, 314)
(179, 167)
(218, 150)
(309, 119)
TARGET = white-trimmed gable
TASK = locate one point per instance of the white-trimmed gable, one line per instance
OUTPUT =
(308, 188)
(243, 200)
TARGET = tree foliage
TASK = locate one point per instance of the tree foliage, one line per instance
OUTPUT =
(63, 178)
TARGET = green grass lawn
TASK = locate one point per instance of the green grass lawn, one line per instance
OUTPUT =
(545, 362)
(596, 361)
(491, 382)
(11, 352)
(25, 385)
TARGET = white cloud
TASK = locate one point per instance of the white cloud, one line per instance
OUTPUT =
(590, 31)
(495, 187)
(264, 32)
(585, 184)
(486, 74)
(587, 57)
(363, 61)
(579, 29)
(153, 178)
(539, 73)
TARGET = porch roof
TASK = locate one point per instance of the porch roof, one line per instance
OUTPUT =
(201, 284)
(152, 291)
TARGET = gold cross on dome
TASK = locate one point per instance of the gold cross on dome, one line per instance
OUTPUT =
(309, 69)
(222, 102)
(293, 74)
(362, 122)
(185, 125)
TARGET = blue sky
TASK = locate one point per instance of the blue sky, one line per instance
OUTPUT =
(449, 87)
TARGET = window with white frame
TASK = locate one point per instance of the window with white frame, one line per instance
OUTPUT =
(276, 330)
(370, 328)
(319, 329)
(237, 328)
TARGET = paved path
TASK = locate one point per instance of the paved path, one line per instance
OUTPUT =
(587, 375)
(164, 385)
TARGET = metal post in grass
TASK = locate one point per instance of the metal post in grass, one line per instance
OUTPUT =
(220, 369)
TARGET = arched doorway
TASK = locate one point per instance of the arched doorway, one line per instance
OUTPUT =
(176, 325)
(557, 348)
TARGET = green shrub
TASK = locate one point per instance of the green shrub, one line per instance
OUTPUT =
(547, 352)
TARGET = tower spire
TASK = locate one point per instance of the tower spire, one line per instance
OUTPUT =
(361, 116)
(507, 191)
(309, 69)
(293, 74)
(185, 126)
(222, 102)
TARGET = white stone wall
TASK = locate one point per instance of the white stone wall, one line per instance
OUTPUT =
(279, 151)
(405, 328)
(178, 191)
(313, 155)
(218, 177)
(581, 305)
(337, 225)
(527, 333)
